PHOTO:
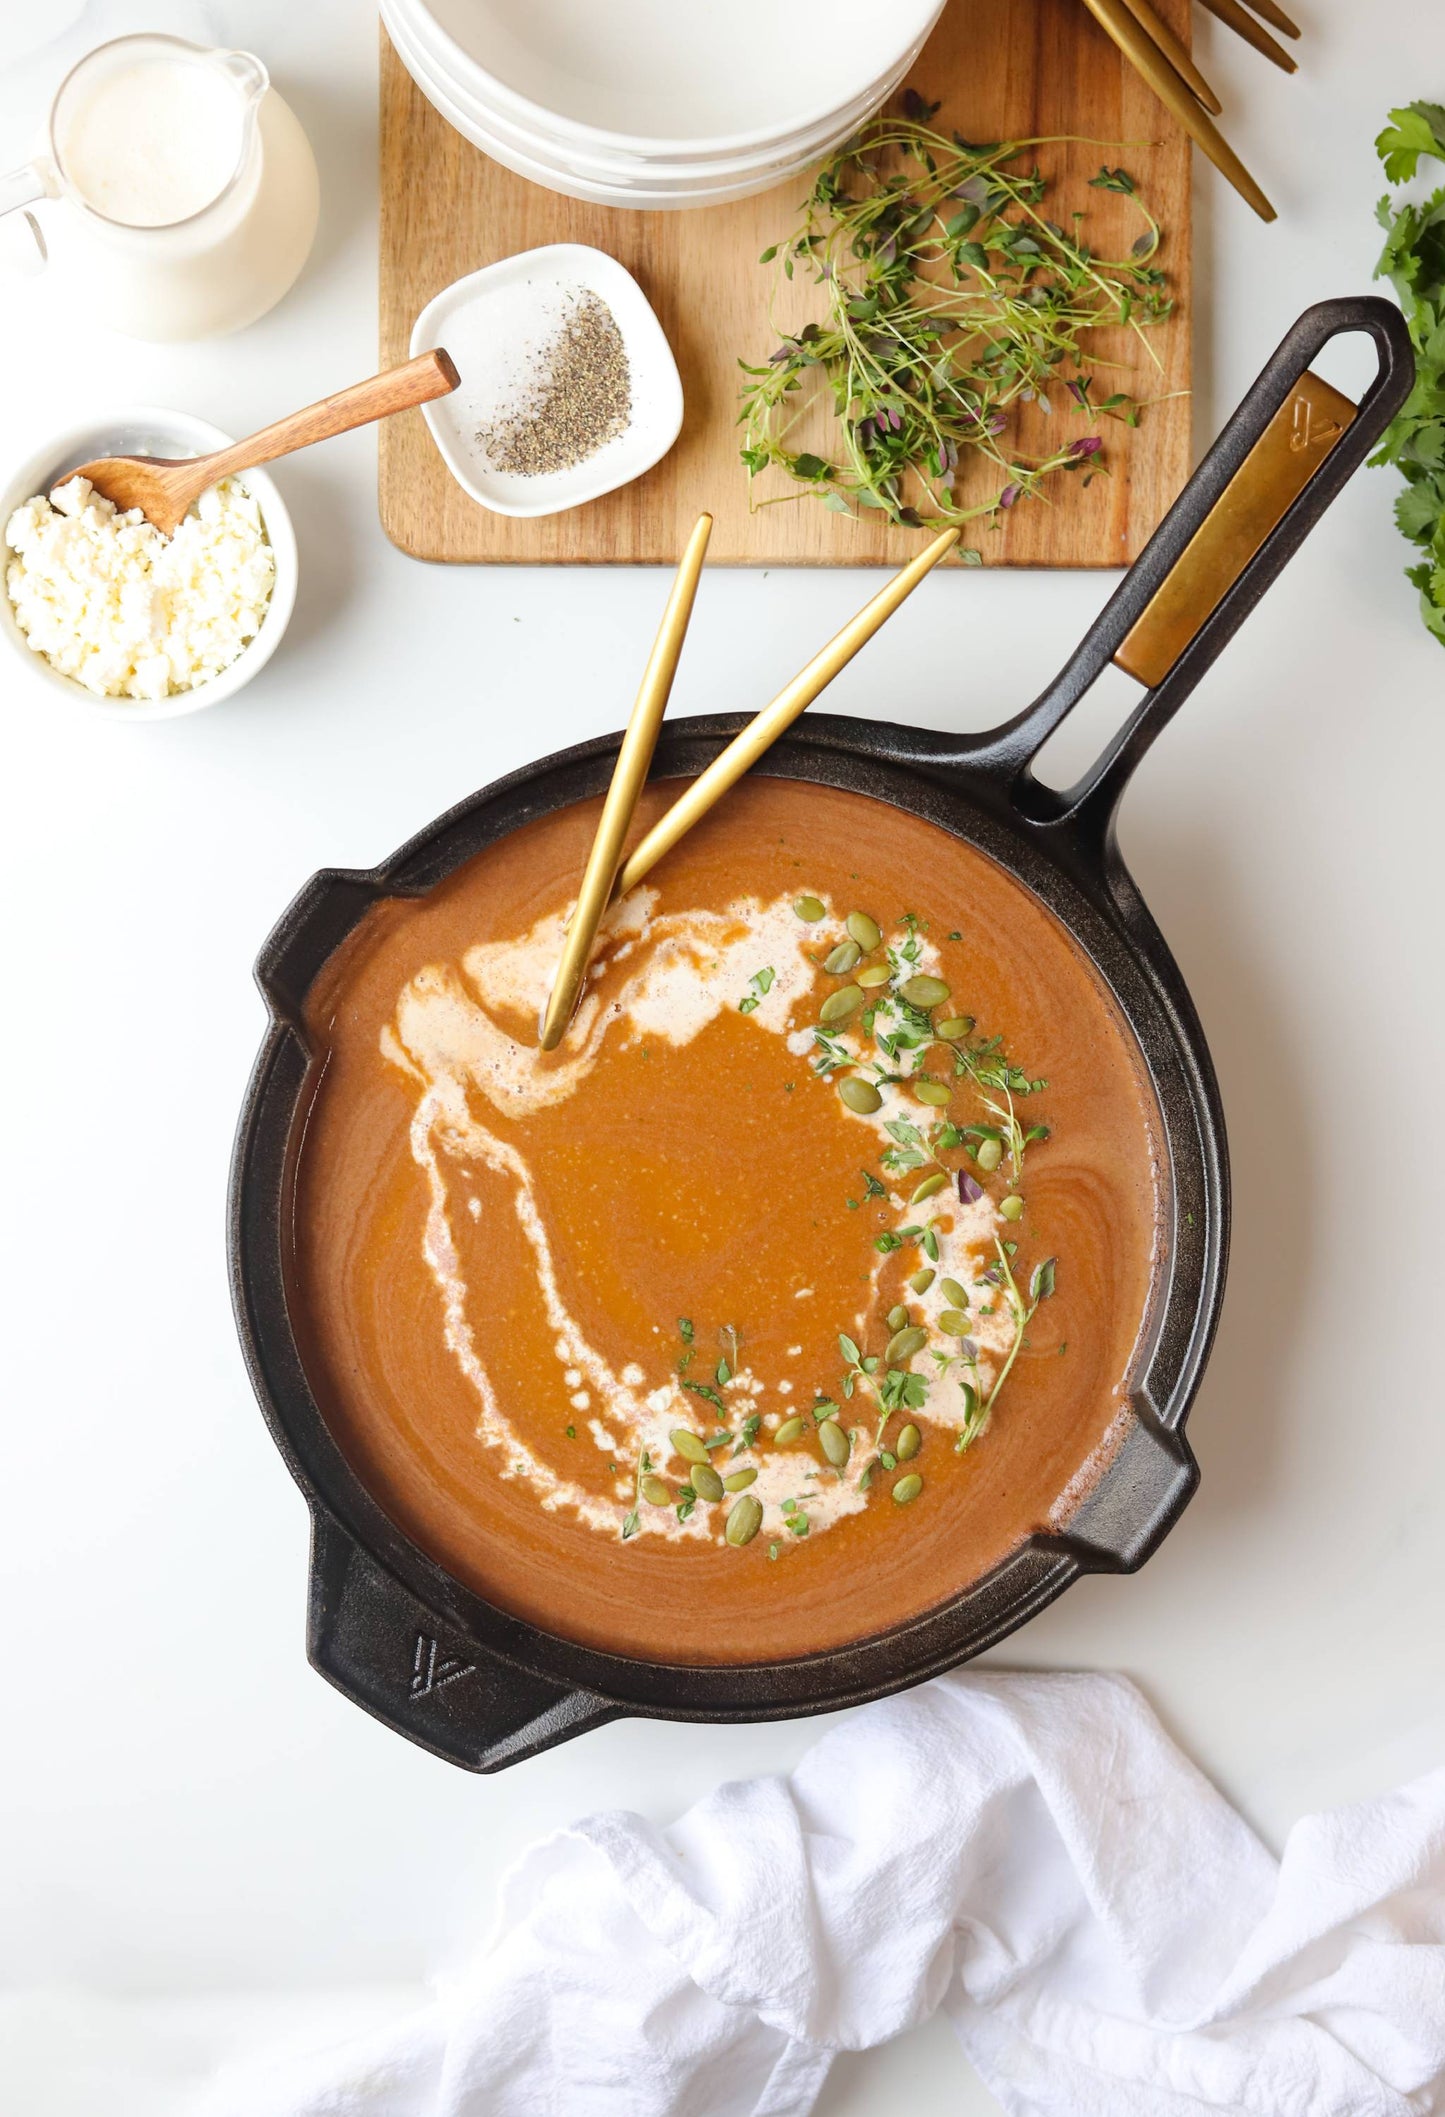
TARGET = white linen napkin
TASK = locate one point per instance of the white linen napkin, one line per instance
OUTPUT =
(1029, 1852)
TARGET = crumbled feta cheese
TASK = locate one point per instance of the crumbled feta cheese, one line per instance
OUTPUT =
(128, 612)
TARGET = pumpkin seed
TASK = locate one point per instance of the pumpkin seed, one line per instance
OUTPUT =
(745, 1518)
(787, 1433)
(898, 1318)
(834, 1441)
(954, 1028)
(859, 1095)
(1012, 1207)
(908, 1443)
(929, 1187)
(922, 1281)
(953, 1293)
(810, 909)
(707, 1484)
(842, 959)
(739, 1480)
(655, 1492)
(955, 1322)
(990, 1153)
(840, 1004)
(908, 1488)
(874, 974)
(865, 931)
(687, 1444)
(923, 991)
(933, 1093)
(905, 1343)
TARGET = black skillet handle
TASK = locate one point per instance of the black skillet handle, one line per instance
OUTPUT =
(1281, 460)
(391, 1655)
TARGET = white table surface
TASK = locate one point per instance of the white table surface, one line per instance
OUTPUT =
(185, 1809)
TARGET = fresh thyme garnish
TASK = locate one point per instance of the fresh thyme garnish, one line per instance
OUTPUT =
(631, 1521)
(861, 1366)
(748, 1432)
(978, 1411)
(998, 1082)
(705, 1389)
(833, 1054)
(762, 984)
(949, 298)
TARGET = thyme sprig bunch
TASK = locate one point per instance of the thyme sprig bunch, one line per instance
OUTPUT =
(951, 297)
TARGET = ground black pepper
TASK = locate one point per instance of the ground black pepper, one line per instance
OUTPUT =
(582, 400)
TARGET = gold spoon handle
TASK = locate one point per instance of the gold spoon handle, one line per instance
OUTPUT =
(1144, 54)
(1244, 25)
(628, 777)
(1270, 12)
(759, 734)
(1176, 52)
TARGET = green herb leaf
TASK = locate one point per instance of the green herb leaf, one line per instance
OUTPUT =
(947, 298)
(705, 1389)
(1414, 260)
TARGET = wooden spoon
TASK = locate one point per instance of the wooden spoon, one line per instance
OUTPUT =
(163, 491)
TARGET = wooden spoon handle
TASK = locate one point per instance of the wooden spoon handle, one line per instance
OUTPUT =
(414, 382)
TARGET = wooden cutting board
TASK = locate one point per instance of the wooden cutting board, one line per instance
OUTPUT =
(1004, 69)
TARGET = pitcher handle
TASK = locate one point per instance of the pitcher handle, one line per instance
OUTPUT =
(20, 189)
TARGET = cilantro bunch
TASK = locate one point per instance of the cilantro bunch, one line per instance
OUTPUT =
(1413, 260)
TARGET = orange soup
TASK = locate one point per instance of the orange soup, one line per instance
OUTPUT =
(791, 1292)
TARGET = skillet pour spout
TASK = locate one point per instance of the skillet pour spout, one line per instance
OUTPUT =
(408, 1642)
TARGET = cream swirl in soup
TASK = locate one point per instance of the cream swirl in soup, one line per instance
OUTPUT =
(664, 977)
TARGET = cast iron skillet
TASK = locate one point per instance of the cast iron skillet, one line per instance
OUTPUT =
(388, 1626)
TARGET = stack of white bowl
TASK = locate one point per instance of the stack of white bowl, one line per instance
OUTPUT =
(657, 103)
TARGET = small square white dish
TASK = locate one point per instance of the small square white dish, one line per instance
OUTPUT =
(495, 324)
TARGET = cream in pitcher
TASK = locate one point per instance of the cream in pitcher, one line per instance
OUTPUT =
(191, 188)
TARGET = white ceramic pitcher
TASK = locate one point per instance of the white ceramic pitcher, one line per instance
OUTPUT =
(216, 268)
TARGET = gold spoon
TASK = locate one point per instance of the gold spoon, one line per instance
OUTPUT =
(746, 748)
(164, 491)
(628, 777)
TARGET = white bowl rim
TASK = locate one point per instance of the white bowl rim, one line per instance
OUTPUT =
(553, 177)
(572, 128)
(647, 178)
(604, 266)
(85, 439)
(633, 171)
(542, 129)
